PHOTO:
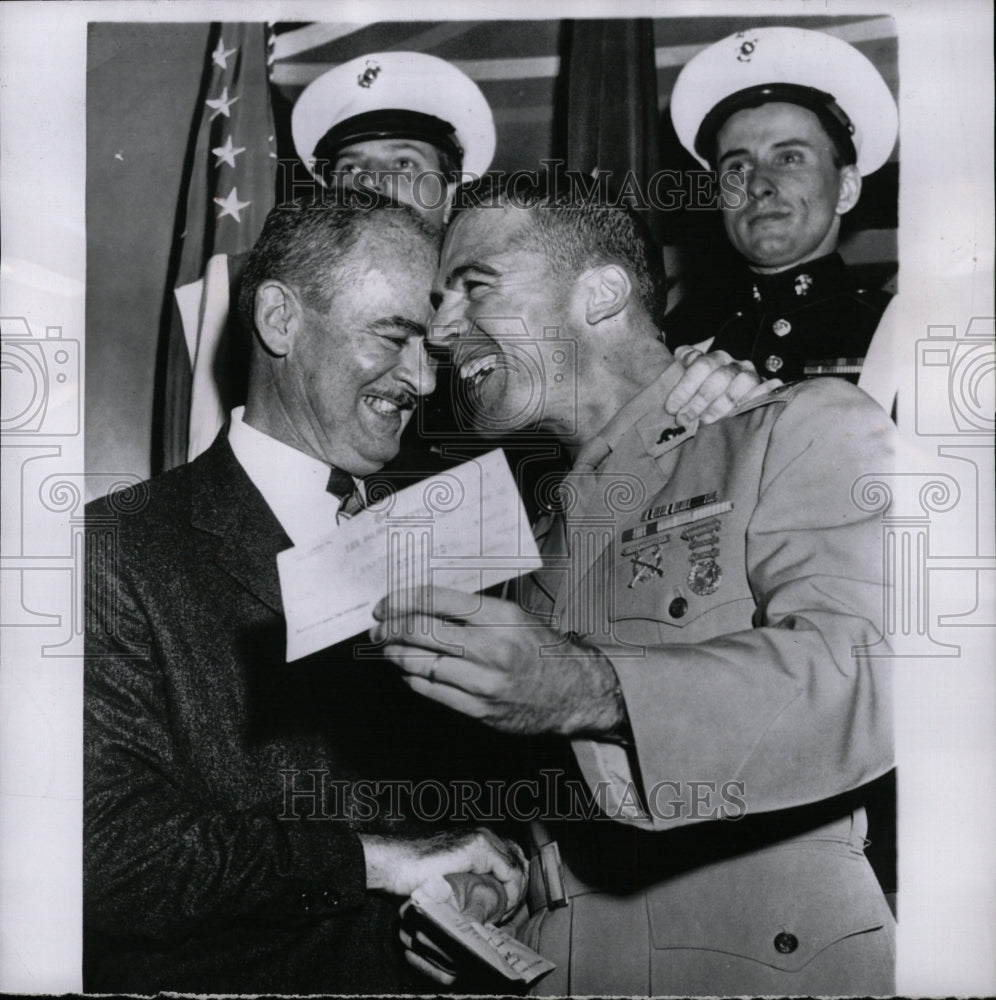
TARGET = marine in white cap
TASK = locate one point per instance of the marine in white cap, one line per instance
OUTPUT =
(407, 124)
(798, 117)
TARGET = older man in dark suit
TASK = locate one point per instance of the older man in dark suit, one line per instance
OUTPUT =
(223, 852)
(229, 843)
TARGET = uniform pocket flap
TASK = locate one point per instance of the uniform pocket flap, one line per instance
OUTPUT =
(781, 907)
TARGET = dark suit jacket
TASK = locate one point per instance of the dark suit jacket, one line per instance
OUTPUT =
(196, 875)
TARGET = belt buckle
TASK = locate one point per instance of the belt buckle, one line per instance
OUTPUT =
(549, 888)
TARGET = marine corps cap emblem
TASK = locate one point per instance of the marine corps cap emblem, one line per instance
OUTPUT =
(367, 77)
(745, 50)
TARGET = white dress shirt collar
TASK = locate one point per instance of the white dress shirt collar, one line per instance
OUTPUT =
(292, 483)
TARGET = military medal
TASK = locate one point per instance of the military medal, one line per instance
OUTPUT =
(703, 543)
(704, 577)
(644, 542)
(833, 366)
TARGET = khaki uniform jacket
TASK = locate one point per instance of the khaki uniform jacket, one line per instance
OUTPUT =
(736, 585)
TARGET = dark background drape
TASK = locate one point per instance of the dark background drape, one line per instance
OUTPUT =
(612, 111)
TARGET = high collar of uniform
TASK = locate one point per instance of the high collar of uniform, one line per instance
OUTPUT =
(815, 279)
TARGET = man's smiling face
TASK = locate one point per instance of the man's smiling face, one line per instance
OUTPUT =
(503, 315)
(357, 369)
(795, 192)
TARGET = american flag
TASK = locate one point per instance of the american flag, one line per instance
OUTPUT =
(226, 192)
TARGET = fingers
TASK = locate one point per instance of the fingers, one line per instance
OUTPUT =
(479, 897)
(438, 601)
(720, 393)
(422, 952)
(421, 632)
(422, 945)
(442, 602)
(428, 968)
(513, 901)
(457, 671)
(698, 368)
(466, 704)
(507, 865)
(763, 389)
(712, 385)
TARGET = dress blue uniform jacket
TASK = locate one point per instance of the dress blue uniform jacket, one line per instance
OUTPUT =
(810, 320)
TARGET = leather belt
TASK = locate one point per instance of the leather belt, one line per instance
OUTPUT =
(551, 885)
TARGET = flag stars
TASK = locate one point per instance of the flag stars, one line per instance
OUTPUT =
(220, 55)
(227, 153)
(231, 205)
(222, 105)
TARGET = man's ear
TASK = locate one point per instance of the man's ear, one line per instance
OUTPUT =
(850, 189)
(277, 316)
(607, 291)
(451, 188)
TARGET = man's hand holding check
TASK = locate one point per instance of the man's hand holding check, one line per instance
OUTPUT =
(483, 657)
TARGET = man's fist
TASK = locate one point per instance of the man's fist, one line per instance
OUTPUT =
(401, 866)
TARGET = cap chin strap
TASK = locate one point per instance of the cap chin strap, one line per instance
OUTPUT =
(832, 116)
(390, 123)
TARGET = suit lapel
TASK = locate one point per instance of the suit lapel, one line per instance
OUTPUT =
(225, 503)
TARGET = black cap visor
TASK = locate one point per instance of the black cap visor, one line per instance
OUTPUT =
(390, 123)
(832, 116)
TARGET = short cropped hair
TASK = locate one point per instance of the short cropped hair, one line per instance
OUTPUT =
(309, 245)
(575, 228)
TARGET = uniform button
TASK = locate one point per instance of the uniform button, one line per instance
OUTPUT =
(773, 363)
(305, 901)
(678, 607)
(781, 327)
(328, 899)
(786, 943)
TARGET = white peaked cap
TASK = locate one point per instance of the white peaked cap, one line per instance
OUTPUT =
(402, 81)
(793, 56)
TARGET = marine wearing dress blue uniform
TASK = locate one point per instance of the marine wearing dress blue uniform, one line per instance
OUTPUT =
(801, 117)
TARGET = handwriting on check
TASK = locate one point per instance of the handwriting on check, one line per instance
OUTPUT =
(465, 528)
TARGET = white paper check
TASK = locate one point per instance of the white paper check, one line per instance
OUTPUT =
(493, 945)
(465, 529)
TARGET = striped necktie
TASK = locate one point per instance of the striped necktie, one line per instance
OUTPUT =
(341, 484)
